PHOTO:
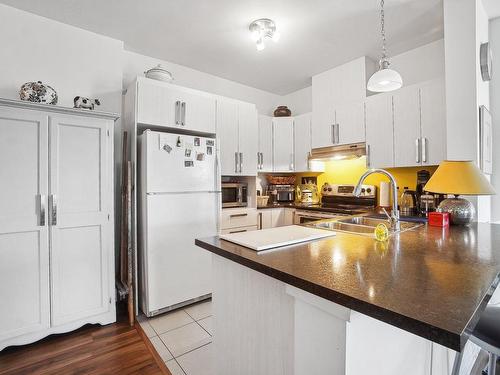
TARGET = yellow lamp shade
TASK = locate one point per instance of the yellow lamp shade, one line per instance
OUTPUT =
(459, 178)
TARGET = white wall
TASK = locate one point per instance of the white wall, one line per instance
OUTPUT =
(299, 101)
(417, 65)
(135, 64)
(420, 64)
(71, 60)
(495, 114)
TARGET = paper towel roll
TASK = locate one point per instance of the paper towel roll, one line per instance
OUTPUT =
(384, 199)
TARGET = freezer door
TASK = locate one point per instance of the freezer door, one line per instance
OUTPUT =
(179, 163)
(177, 270)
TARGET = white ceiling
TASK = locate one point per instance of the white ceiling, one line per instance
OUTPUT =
(212, 35)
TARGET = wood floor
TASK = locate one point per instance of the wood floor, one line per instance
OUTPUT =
(113, 349)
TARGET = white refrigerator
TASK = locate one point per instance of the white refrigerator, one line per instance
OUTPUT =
(179, 201)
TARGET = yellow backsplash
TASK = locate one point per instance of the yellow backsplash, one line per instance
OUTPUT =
(349, 171)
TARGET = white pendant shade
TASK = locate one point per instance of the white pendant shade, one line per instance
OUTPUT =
(385, 80)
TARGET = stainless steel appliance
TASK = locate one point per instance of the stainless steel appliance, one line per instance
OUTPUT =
(234, 194)
(281, 193)
(339, 201)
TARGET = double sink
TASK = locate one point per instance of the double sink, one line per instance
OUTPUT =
(363, 225)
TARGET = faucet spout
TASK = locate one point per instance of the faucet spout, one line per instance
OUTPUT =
(394, 216)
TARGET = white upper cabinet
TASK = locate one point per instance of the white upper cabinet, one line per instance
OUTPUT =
(228, 135)
(420, 124)
(349, 123)
(164, 104)
(323, 115)
(248, 130)
(379, 131)
(283, 155)
(265, 150)
(237, 130)
(302, 140)
(335, 120)
(433, 125)
(407, 126)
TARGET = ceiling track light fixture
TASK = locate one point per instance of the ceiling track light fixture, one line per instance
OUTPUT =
(261, 29)
(384, 79)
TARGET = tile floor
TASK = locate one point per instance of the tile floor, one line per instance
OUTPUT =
(183, 338)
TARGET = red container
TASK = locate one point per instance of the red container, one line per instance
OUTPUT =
(439, 219)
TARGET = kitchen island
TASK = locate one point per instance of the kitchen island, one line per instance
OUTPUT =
(351, 305)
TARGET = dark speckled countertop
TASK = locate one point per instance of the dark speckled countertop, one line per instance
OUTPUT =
(433, 282)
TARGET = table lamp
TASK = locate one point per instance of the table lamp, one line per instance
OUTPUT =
(458, 178)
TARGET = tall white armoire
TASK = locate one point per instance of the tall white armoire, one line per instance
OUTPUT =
(56, 220)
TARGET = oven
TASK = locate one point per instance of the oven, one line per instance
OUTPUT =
(234, 194)
(307, 216)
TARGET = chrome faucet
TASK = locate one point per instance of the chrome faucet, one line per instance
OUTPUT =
(394, 216)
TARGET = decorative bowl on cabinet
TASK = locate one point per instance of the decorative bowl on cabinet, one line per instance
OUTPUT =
(37, 92)
(159, 73)
(282, 111)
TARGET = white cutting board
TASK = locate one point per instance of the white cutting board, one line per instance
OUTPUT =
(275, 237)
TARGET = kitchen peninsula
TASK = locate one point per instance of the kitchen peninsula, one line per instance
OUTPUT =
(351, 305)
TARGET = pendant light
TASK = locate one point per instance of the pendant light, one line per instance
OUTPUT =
(384, 79)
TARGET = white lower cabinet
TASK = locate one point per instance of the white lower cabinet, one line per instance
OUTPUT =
(235, 220)
(56, 222)
(275, 217)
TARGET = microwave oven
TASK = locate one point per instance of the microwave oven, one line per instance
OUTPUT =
(234, 194)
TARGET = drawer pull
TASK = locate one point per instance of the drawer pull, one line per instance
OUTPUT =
(238, 215)
(238, 231)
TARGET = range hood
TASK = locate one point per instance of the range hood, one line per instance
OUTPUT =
(340, 152)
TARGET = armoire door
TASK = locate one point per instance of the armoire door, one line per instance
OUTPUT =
(24, 243)
(79, 214)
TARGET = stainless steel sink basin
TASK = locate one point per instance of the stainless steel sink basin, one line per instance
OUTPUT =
(360, 225)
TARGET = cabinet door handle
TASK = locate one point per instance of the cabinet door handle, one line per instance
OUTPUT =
(238, 215)
(260, 220)
(262, 160)
(368, 156)
(238, 231)
(333, 133)
(424, 150)
(337, 133)
(241, 161)
(53, 209)
(235, 162)
(177, 111)
(417, 150)
(41, 212)
(291, 162)
(183, 113)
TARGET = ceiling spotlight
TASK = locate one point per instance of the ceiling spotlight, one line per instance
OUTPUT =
(261, 29)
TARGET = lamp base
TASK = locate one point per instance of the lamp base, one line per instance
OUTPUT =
(461, 211)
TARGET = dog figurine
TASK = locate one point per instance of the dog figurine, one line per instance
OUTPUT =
(85, 103)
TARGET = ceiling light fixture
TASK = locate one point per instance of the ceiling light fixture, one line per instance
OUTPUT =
(384, 79)
(261, 29)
